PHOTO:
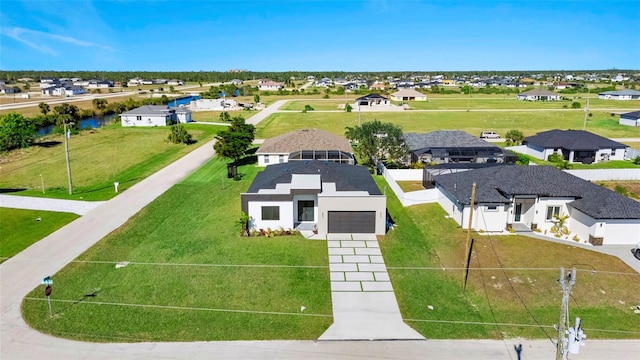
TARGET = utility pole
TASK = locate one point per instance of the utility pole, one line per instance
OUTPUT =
(467, 249)
(586, 111)
(66, 152)
(564, 310)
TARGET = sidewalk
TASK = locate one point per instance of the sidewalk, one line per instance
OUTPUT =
(59, 205)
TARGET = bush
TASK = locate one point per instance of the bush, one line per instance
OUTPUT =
(637, 160)
(307, 108)
(179, 135)
(523, 159)
(348, 108)
(514, 137)
(555, 158)
(576, 105)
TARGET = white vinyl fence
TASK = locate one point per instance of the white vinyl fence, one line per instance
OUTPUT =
(413, 197)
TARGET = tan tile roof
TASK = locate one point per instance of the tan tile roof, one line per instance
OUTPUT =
(304, 139)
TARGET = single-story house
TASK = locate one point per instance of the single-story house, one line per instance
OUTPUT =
(6, 89)
(377, 86)
(371, 100)
(529, 197)
(175, 82)
(305, 144)
(630, 118)
(539, 94)
(620, 95)
(100, 84)
(447, 146)
(408, 95)
(327, 196)
(155, 115)
(575, 146)
(213, 104)
(268, 85)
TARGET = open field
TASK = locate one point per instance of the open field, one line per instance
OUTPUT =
(191, 277)
(509, 281)
(98, 158)
(408, 186)
(629, 188)
(21, 228)
(473, 102)
(82, 104)
(327, 104)
(473, 122)
(214, 116)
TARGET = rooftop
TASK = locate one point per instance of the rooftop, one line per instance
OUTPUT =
(572, 140)
(304, 139)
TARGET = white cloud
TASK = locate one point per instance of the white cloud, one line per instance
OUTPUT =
(36, 39)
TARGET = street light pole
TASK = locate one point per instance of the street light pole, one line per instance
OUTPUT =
(564, 311)
(66, 152)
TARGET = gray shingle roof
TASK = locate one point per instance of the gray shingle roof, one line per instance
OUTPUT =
(153, 110)
(633, 115)
(304, 139)
(371, 97)
(346, 177)
(538, 92)
(572, 140)
(443, 139)
(621, 92)
(496, 184)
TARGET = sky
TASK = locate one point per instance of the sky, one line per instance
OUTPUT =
(330, 35)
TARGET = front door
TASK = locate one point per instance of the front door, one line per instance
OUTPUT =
(305, 210)
(518, 213)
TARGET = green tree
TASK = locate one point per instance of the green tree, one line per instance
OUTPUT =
(348, 108)
(100, 104)
(256, 98)
(234, 142)
(576, 105)
(44, 108)
(514, 137)
(26, 86)
(179, 135)
(376, 141)
(224, 116)
(16, 132)
(171, 89)
(67, 113)
(307, 108)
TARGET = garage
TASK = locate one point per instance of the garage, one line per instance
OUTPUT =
(344, 222)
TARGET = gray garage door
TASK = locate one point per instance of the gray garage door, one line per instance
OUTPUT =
(363, 222)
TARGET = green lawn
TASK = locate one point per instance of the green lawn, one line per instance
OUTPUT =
(214, 116)
(98, 158)
(329, 104)
(473, 122)
(424, 255)
(21, 228)
(615, 164)
(182, 292)
(510, 102)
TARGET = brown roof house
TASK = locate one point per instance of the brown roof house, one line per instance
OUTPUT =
(305, 145)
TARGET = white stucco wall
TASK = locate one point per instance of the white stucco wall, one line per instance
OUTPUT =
(131, 120)
(629, 121)
(313, 198)
(487, 220)
(255, 213)
(540, 216)
(613, 232)
(273, 159)
(184, 117)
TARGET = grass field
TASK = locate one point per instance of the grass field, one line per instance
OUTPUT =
(474, 102)
(328, 104)
(509, 282)
(179, 282)
(473, 122)
(21, 228)
(82, 104)
(214, 116)
(629, 188)
(98, 158)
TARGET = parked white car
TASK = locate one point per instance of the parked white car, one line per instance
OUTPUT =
(489, 135)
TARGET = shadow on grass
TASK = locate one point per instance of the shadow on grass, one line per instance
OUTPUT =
(83, 298)
(109, 186)
(6, 191)
(47, 144)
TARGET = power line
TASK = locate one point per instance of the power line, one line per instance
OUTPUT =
(173, 307)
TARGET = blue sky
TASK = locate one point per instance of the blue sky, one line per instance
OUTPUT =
(346, 35)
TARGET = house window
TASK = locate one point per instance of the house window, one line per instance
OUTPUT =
(281, 159)
(492, 208)
(270, 213)
(613, 152)
(552, 211)
(266, 159)
(139, 118)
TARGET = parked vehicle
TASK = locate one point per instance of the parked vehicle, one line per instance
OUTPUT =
(489, 135)
(636, 251)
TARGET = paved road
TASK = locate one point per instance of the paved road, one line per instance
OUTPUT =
(23, 272)
(60, 205)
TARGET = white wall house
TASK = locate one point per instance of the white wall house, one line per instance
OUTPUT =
(630, 119)
(620, 95)
(538, 95)
(268, 85)
(305, 144)
(329, 197)
(529, 197)
(575, 146)
(154, 115)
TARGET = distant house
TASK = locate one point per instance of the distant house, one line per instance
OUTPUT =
(236, 82)
(268, 85)
(6, 89)
(340, 81)
(348, 87)
(304, 145)
(371, 100)
(63, 90)
(100, 84)
(453, 146)
(529, 197)
(620, 95)
(155, 115)
(575, 146)
(539, 94)
(377, 86)
(175, 82)
(408, 95)
(630, 118)
(327, 196)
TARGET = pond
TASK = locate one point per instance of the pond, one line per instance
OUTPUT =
(185, 100)
(89, 123)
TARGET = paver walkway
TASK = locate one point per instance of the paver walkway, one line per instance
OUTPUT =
(59, 205)
(364, 305)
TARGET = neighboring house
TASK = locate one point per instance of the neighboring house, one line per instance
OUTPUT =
(408, 95)
(447, 146)
(213, 104)
(517, 197)
(175, 82)
(63, 90)
(340, 81)
(6, 89)
(377, 86)
(155, 115)
(268, 85)
(327, 196)
(620, 95)
(371, 100)
(575, 146)
(236, 82)
(539, 94)
(100, 84)
(630, 119)
(349, 87)
(305, 144)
